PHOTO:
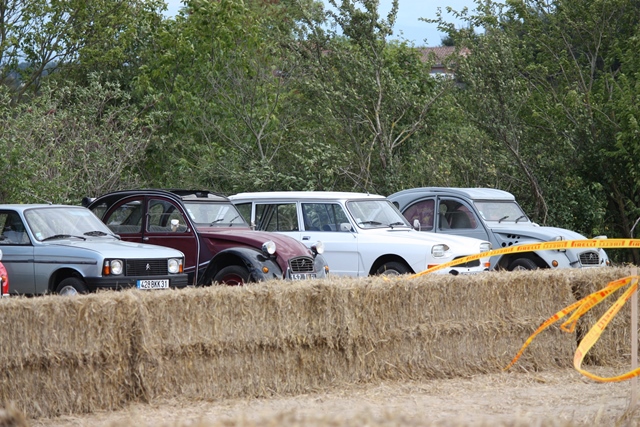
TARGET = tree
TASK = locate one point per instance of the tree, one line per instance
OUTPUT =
(40, 37)
(72, 141)
(371, 97)
(556, 85)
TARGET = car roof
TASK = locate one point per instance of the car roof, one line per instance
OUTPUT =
(471, 193)
(304, 195)
(24, 207)
(176, 194)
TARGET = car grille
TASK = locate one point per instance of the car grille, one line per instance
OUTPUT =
(474, 263)
(589, 258)
(146, 267)
(301, 265)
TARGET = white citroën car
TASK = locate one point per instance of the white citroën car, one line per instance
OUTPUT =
(363, 234)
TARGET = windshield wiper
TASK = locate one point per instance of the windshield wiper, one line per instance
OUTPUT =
(95, 233)
(370, 223)
(520, 217)
(62, 236)
(503, 218)
(396, 223)
(233, 219)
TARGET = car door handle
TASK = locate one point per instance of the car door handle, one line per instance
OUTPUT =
(306, 237)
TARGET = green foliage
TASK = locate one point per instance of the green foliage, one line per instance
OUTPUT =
(72, 141)
(238, 95)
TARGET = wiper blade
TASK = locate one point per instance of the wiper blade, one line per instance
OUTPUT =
(503, 218)
(520, 217)
(396, 223)
(370, 223)
(62, 236)
(95, 233)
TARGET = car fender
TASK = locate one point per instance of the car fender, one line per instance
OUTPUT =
(250, 258)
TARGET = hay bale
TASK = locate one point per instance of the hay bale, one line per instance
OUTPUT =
(99, 352)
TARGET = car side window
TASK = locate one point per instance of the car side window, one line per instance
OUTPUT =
(423, 212)
(245, 211)
(458, 215)
(324, 217)
(277, 217)
(126, 218)
(13, 230)
(165, 217)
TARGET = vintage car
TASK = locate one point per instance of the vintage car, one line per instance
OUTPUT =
(494, 215)
(218, 244)
(67, 250)
(4, 279)
(363, 234)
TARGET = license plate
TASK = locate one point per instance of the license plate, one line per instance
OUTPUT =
(153, 284)
(302, 276)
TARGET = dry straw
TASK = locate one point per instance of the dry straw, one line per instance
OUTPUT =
(99, 352)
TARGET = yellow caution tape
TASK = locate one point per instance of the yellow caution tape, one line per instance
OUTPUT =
(579, 308)
(542, 246)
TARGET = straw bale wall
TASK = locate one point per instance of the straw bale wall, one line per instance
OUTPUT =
(98, 352)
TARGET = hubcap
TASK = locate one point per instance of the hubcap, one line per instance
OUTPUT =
(68, 291)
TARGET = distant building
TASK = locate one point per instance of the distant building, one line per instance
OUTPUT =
(440, 56)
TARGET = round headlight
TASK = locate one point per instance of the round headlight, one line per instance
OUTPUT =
(174, 265)
(116, 266)
(269, 247)
(438, 251)
(318, 248)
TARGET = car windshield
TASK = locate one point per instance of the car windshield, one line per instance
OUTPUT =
(65, 222)
(501, 211)
(376, 214)
(217, 214)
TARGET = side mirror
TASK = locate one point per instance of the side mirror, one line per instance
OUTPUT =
(345, 226)
(416, 224)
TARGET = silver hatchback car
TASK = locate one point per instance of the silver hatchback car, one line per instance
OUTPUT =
(68, 250)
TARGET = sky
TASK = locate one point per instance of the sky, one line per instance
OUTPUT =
(407, 24)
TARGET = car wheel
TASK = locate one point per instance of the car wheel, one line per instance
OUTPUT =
(522, 264)
(233, 275)
(71, 286)
(392, 269)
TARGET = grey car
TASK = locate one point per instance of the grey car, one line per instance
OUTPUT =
(68, 250)
(494, 215)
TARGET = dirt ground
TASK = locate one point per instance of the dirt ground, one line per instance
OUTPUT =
(553, 398)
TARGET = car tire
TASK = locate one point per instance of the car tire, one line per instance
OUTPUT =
(392, 269)
(71, 286)
(523, 264)
(233, 275)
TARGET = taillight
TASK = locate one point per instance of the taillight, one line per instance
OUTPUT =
(4, 285)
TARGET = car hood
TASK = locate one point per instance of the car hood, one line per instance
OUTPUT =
(534, 232)
(114, 248)
(286, 246)
(459, 244)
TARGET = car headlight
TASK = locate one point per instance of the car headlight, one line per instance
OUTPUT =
(269, 247)
(175, 265)
(116, 266)
(558, 239)
(485, 247)
(438, 251)
(318, 248)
